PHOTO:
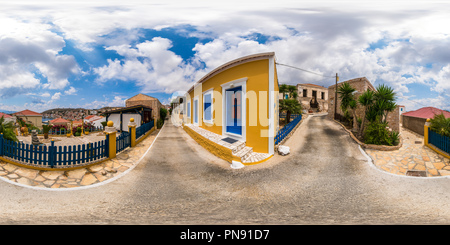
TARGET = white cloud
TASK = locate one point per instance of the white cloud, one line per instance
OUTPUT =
(71, 91)
(150, 65)
(56, 96)
(27, 48)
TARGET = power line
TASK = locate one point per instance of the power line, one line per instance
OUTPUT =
(305, 70)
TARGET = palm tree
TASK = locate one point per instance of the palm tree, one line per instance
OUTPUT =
(291, 106)
(292, 91)
(283, 89)
(385, 101)
(346, 92)
(366, 100)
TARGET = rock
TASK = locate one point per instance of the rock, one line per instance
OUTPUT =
(236, 165)
(283, 150)
(34, 138)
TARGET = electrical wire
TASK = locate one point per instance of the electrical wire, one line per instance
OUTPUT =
(305, 70)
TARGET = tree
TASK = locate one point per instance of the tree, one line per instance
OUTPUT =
(292, 91)
(288, 89)
(440, 125)
(346, 92)
(283, 89)
(7, 129)
(366, 100)
(384, 101)
(291, 106)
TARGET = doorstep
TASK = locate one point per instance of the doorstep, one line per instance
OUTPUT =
(238, 148)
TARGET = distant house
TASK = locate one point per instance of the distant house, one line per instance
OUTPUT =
(145, 100)
(59, 121)
(30, 117)
(121, 117)
(95, 120)
(313, 97)
(415, 120)
(7, 118)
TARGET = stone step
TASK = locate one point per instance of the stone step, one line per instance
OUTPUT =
(256, 157)
(238, 146)
(244, 153)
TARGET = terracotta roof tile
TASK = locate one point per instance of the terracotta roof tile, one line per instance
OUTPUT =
(427, 112)
(27, 113)
(4, 115)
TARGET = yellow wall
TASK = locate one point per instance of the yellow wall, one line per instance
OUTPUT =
(257, 74)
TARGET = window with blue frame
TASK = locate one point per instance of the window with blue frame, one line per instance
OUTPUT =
(189, 109)
(207, 107)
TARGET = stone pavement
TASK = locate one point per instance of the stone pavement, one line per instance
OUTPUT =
(96, 174)
(412, 159)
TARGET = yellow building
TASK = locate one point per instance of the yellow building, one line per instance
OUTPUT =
(30, 117)
(238, 103)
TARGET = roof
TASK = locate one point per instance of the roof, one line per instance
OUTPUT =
(128, 109)
(4, 115)
(92, 118)
(357, 80)
(27, 113)
(310, 84)
(427, 112)
(233, 63)
(59, 120)
(141, 97)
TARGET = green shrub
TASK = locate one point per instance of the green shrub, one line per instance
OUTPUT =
(160, 123)
(163, 113)
(376, 133)
(440, 125)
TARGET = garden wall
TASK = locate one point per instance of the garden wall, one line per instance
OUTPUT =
(414, 124)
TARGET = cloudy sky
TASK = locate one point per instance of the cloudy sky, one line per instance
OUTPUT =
(99, 53)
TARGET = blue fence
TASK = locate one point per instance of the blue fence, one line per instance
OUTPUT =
(123, 141)
(63, 131)
(144, 128)
(440, 141)
(293, 116)
(54, 156)
(282, 133)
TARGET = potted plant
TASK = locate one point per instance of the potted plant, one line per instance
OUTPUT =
(46, 129)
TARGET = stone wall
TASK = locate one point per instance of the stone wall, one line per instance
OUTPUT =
(305, 99)
(154, 104)
(361, 85)
(414, 124)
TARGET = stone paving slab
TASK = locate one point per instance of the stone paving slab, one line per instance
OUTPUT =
(412, 157)
(82, 177)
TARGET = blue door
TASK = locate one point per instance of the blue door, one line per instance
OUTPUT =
(234, 110)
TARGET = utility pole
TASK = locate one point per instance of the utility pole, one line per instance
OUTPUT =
(335, 98)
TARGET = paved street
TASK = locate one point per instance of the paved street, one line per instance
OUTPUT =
(325, 180)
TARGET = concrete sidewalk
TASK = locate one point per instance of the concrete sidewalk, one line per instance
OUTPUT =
(413, 158)
(83, 177)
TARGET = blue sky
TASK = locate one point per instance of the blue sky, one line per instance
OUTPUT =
(93, 54)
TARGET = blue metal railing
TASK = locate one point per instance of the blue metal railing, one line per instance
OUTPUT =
(287, 128)
(144, 128)
(440, 141)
